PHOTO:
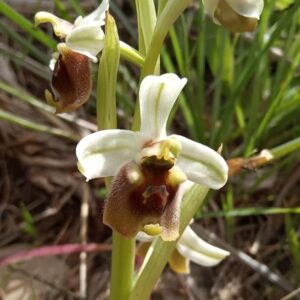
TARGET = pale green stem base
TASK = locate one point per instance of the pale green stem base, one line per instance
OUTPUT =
(122, 267)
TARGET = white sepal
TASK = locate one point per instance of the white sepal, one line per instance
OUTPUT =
(98, 14)
(157, 97)
(198, 251)
(102, 153)
(201, 164)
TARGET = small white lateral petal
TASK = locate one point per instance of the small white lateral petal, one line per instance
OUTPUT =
(201, 164)
(157, 96)
(198, 251)
(101, 154)
(87, 39)
(98, 14)
(247, 8)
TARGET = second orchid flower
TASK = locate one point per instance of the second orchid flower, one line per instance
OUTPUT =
(81, 42)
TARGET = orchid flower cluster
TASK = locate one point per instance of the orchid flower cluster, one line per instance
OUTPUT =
(151, 169)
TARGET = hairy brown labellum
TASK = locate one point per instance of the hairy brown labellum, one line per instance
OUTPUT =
(142, 195)
(71, 81)
(232, 20)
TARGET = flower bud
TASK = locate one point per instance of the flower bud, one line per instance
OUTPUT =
(235, 15)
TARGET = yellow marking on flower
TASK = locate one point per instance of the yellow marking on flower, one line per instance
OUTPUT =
(169, 148)
(152, 229)
(176, 177)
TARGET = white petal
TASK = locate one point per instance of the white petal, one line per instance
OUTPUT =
(98, 14)
(201, 164)
(199, 251)
(157, 97)
(87, 39)
(247, 8)
(101, 154)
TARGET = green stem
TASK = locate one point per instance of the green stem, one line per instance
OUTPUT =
(286, 148)
(159, 252)
(146, 16)
(172, 10)
(122, 267)
(132, 55)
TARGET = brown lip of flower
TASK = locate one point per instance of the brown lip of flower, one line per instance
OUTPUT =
(145, 198)
(71, 81)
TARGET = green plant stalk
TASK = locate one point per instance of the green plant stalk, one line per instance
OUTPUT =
(258, 84)
(132, 55)
(9, 117)
(200, 71)
(218, 87)
(122, 266)
(159, 252)
(172, 10)
(286, 148)
(249, 211)
(25, 97)
(161, 6)
(146, 16)
(167, 17)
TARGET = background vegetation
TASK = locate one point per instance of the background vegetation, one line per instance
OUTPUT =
(243, 92)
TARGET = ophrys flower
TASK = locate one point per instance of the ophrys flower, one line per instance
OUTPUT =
(149, 166)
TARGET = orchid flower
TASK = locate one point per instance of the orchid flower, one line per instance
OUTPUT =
(235, 15)
(81, 42)
(149, 166)
(190, 247)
